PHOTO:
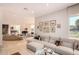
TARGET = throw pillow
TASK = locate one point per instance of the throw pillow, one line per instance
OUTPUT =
(77, 47)
(58, 43)
(37, 37)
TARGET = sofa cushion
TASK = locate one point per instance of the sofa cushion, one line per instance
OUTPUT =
(53, 39)
(34, 46)
(76, 52)
(37, 45)
(30, 39)
(64, 50)
(42, 38)
(47, 39)
(67, 43)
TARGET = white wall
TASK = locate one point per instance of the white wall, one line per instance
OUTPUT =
(1, 18)
(61, 17)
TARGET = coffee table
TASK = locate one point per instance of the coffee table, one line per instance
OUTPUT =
(45, 51)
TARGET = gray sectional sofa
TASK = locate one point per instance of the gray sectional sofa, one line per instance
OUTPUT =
(67, 47)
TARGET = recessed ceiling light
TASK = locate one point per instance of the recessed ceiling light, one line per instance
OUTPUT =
(32, 11)
(47, 4)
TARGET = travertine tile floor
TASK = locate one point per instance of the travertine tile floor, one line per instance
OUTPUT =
(10, 47)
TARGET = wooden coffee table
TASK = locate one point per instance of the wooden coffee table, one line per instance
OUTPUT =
(16, 53)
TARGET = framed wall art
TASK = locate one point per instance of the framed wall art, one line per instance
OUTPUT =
(46, 26)
(40, 26)
(58, 25)
(52, 25)
(52, 22)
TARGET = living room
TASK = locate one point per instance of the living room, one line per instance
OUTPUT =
(29, 30)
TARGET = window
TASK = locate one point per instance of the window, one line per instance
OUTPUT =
(74, 26)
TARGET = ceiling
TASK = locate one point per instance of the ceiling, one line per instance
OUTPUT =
(37, 9)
